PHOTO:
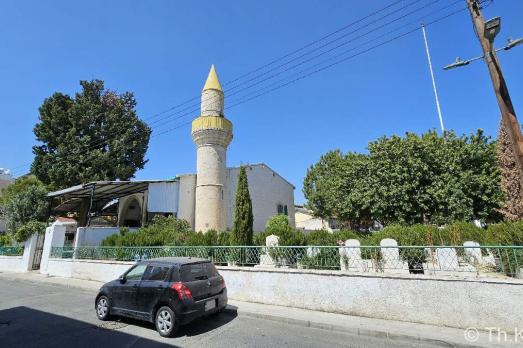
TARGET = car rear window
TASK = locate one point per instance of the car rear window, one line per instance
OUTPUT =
(197, 271)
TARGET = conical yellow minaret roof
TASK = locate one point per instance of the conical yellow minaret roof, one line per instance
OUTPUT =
(212, 81)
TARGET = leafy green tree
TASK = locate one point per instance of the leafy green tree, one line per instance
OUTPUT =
(408, 180)
(279, 226)
(94, 136)
(336, 187)
(24, 201)
(28, 229)
(20, 184)
(243, 219)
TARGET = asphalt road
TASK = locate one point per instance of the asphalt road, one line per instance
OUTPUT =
(48, 315)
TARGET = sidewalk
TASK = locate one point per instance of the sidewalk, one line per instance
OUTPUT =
(394, 330)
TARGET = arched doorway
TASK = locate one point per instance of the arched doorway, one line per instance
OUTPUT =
(131, 214)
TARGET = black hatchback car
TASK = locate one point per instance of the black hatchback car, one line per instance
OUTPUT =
(168, 292)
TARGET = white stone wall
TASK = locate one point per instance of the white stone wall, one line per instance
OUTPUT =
(187, 194)
(12, 264)
(93, 236)
(267, 190)
(22, 263)
(102, 271)
(307, 222)
(441, 301)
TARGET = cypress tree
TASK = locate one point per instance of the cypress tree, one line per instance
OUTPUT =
(513, 206)
(243, 219)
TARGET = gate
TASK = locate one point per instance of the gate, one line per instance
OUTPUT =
(38, 251)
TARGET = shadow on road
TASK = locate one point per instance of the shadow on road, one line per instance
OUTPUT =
(194, 328)
(27, 327)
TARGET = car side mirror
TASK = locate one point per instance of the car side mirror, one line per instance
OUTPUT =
(122, 279)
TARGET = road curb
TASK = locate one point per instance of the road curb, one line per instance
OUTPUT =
(345, 329)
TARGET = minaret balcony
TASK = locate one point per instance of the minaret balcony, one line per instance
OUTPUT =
(212, 130)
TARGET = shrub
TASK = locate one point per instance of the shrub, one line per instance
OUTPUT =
(210, 238)
(505, 233)
(279, 226)
(164, 231)
(161, 231)
(343, 235)
(24, 232)
(5, 240)
(321, 237)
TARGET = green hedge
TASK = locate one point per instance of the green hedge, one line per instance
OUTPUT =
(170, 231)
(166, 231)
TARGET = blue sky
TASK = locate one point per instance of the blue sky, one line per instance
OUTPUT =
(162, 51)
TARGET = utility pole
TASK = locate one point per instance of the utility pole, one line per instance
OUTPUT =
(486, 36)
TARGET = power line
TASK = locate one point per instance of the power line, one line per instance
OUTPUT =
(299, 78)
(324, 52)
(310, 52)
(416, 21)
(96, 143)
(172, 116)
(290, 53)
(330, 65)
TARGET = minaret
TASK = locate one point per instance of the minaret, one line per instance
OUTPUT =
(212, 133)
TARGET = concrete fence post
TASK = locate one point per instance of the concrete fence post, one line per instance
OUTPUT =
(29, 251)
(54, 237)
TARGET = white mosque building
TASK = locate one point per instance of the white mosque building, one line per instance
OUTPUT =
(205, 199)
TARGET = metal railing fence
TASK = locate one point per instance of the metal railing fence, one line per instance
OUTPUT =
(11, 250)
(506, 260)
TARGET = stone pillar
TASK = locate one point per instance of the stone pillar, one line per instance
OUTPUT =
(29, 252)
(54, 237)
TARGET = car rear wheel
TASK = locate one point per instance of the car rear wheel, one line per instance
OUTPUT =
(102, 308)
(166, 323)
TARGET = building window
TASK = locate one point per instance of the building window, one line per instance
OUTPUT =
(282, 209)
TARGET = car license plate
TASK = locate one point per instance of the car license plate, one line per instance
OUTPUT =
(210, 305)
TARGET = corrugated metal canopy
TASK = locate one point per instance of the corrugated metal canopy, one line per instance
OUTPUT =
(104, 189)
(102, 192)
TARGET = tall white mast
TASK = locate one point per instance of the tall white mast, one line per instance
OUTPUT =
(432, 76)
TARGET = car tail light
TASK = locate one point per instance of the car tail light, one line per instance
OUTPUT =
(183, 291)
(222, 284)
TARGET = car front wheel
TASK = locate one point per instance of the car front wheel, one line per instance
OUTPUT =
(102, 308)
(166, 323)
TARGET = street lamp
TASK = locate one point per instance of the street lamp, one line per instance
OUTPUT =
(513, 43)
(459, 62)
(492, 28)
